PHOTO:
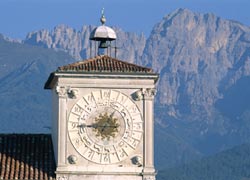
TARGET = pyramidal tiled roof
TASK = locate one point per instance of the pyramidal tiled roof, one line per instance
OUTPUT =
(26, 156)
(104, 63)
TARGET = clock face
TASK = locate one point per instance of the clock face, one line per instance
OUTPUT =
(105, 126)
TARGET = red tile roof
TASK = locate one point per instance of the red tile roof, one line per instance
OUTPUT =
(104, 63)
(26, 156)
(101, 65)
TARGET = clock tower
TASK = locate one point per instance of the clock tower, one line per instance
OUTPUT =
(102, 123)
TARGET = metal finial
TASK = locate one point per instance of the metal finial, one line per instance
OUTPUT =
(103, 19)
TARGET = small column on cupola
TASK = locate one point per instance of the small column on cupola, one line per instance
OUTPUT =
(103, 37)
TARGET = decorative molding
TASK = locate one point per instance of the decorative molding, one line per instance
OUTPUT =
(149, 178)
(62, 177)
(72, 93)
(137, 160)
(97, 171)
(72, 159)
(66, 92)
(61, 91)
(137, 96)
(149, 93)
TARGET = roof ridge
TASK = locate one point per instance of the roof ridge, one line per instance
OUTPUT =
(104, 63)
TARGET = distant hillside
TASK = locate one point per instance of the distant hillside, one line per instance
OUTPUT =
(233, 164)
(25, 105)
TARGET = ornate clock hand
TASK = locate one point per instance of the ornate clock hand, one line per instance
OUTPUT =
(103, 127)
(84, 125)
(112, 114)
(111, 117)
(81, 126)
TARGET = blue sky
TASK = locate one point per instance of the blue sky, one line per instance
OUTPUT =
(18, 17)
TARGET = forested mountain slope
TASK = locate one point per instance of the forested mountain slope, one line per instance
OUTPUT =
(232, 164)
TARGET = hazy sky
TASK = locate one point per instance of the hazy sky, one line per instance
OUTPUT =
(18, 17)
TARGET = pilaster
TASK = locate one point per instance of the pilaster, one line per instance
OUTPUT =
(62, 93)
(148, 114)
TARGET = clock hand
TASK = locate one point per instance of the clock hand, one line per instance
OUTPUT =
(103, 128)
(81, 125)
(84, 125)
(112, 114)
(109, 119)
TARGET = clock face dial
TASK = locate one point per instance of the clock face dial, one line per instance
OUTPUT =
(105, 126)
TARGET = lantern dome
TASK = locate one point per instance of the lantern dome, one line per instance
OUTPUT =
(103, 33)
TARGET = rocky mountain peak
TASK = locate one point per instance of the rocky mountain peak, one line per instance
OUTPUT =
(129, 45)
(196, 55)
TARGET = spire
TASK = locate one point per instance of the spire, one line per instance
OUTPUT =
(103, 19)
(103, 34)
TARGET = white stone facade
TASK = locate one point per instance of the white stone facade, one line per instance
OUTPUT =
(68, 89)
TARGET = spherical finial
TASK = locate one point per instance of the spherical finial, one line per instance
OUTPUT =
(103, 19)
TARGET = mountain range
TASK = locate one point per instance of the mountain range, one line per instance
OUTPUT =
(128, 45)
(202, 104)
(231, 164)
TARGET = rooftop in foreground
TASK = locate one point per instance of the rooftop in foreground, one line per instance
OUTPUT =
(26, 156)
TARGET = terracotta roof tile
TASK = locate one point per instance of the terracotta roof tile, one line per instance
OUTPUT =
(104, 63)
(26, 156)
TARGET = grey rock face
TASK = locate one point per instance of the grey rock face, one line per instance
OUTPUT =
(129, 45)
(203, 91)
(199, 56)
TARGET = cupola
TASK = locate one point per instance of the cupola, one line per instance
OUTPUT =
(103, 34)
